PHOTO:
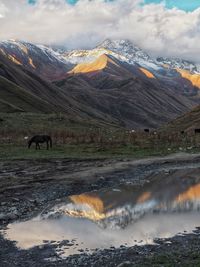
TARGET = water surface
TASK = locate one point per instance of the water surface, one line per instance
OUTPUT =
(166, 205)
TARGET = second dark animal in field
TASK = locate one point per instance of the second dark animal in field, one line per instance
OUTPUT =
(39, 139)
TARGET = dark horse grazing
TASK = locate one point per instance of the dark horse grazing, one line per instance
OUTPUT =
(38, 139)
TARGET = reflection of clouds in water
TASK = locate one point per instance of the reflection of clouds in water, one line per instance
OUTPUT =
(118, 209)
(159, 209)
(33, 232)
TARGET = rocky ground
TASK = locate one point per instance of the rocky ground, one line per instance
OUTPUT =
(28, 186)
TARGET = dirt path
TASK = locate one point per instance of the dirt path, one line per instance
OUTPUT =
(178, 158)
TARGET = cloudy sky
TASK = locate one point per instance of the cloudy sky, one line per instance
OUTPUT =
(170, 27)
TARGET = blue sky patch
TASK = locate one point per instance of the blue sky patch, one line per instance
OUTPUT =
(187, 5)
(32, 2)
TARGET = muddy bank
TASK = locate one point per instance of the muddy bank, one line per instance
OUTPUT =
(28, 187)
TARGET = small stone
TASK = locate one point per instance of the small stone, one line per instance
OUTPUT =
(125, 264)
(2, 216)
(8, 216)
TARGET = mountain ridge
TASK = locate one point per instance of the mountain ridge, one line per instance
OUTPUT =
(125, 50)
(108, 90)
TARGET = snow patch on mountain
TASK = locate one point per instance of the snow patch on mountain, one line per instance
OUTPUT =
(123, 50)
(178, 63)
(126, 51)
(24, 48)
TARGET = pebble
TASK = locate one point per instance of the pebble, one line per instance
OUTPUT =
(125, 264)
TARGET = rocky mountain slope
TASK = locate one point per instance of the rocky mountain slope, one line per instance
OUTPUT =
(122, 85)
(23, 91)
(127, 94)
(182, 75)
(126, 51)
(40, 59)
(186, 122)
(56, 61)
(21, 84)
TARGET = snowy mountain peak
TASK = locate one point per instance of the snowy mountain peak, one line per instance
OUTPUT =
(126, 51)
(123, 50)
(125, 47)
(117, 44)
(120, 45)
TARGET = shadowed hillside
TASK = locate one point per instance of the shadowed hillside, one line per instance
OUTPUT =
(105, 92)
(13, 98)
(22, 90)
(128, 94)
(39, 59)
(186, 122)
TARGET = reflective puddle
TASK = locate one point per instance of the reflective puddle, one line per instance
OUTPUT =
(126, 215)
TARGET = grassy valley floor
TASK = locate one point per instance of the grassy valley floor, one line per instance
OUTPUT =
(82, 151)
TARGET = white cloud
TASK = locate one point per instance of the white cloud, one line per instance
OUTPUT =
(3, 10)
(153, 27)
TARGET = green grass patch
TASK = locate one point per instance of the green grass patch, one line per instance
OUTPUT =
(83, 139)
(10, 151)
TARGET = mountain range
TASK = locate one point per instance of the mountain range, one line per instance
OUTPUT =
(115, 83)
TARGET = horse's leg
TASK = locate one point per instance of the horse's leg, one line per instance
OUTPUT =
(29, 145)
(38, 145)
(47, 145)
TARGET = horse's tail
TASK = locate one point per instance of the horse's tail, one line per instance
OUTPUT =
(50, 140)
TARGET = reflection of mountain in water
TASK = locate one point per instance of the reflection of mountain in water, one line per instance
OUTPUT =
(177, 191)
